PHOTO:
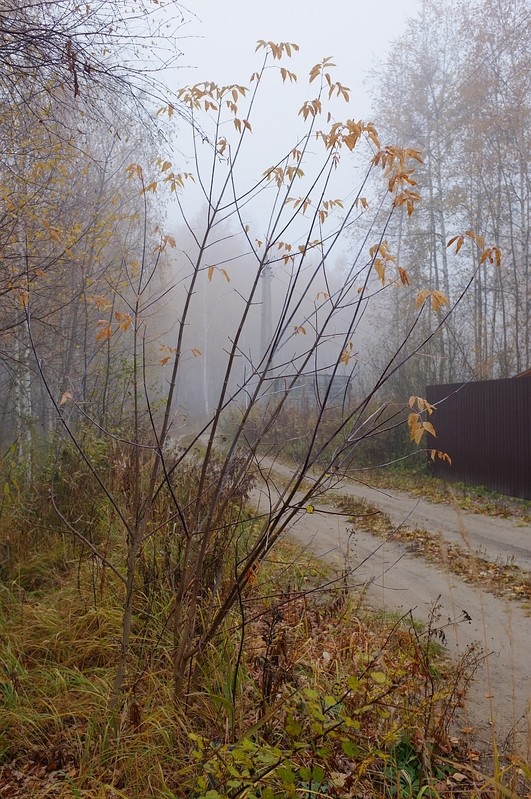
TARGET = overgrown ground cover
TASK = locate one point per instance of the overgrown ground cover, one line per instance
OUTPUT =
(303, 692)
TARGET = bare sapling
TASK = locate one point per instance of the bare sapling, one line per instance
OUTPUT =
(288, 333)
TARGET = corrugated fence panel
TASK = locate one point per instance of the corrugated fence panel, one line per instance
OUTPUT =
(485, 427)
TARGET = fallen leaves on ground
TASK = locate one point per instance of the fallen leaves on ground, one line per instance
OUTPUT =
(32, 779)
(501, 579)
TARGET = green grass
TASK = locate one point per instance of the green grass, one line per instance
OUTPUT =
(476, 499)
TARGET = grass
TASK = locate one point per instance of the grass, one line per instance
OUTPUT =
(326, 698)
(302, 694)
(475, 499)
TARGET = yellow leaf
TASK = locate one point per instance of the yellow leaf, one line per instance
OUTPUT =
(150, 187)
(345, 357)
(379, 267)
(196, 352)
(422, 404)
(210, 273)
(100, 302)
(416, 431)
(23, 298)
(225, 275)
(105, 332)
(430, 428)
(310, 509)
(53, 232)
(165, 360)
(134, 169)
(65, 397)
(404, 276)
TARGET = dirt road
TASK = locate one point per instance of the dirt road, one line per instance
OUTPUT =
(496, 539)
(499, 701)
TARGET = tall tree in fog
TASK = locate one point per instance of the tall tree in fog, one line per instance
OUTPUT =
(461, 92)
(73, 109)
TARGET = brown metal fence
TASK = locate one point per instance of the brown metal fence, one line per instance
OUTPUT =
(485, 428)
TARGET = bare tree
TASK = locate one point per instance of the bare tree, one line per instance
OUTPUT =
(66, 48)
(187, 539)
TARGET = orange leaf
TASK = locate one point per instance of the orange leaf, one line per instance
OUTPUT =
(105, 332)
(438, 300)
(124, 320)
(404, 276)
(379, 267)
(23, 298)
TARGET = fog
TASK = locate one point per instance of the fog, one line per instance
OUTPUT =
(219, 45)
(247, 321)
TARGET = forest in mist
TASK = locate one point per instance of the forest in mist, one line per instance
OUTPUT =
(91, 224)
(185, 309)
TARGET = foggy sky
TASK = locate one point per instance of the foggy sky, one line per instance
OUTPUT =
(221, 38)
(218, 44)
